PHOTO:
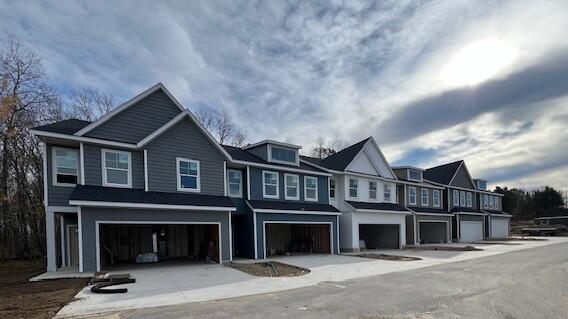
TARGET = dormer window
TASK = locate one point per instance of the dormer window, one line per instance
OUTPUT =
(414, 175)
(283, 155)
(482, 185)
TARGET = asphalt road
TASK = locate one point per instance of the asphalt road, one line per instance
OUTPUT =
(530, 283)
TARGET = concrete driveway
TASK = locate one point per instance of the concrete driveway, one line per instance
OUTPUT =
(159, 286)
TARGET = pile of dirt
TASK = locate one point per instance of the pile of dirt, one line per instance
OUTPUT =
(20, 298)
(444, 248)
(388, 257)
(264, 270)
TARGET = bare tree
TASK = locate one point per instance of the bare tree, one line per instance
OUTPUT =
(90, 105)
(323, 148)
(221, 127)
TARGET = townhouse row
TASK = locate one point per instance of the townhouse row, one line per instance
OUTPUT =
(147, 183)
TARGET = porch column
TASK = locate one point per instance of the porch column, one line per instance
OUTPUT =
(50, 240)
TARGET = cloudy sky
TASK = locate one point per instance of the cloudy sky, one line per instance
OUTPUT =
(432, 81)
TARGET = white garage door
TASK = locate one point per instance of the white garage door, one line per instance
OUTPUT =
(499, 228)
(471, 231)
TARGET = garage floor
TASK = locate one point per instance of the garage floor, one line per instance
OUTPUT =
(380, 236)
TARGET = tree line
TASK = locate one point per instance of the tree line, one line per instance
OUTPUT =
(526, 205)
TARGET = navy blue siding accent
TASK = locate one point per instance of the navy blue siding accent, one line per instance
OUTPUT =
(139, 120)
(94, 168)
(261, 218)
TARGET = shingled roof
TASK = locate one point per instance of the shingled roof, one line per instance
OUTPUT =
(340, 160)
(442, 174)
(69, 127)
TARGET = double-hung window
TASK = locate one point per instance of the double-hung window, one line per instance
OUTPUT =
(373, 190)
(469, 199)
(456, 197)
(291, 185)
(311, 188)
(412, 195)
(270, 184)
(425, 200)
(462, 198)
(491, 202)
(436, 198)
(188, 179)
(65, 166)
(387, 191)
(235, 180)
(117, 168)
(497, 203)
(332, 188)
(353, 188)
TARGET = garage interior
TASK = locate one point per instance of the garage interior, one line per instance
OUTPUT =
(379, 236)
(433, 232)
(140, 244)
(293, 239)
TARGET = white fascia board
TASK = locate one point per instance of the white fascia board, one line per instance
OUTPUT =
(85, 203)
(465, 189)
(162, 129)
(297, 212)
(383, 156)
(500, 215)
(384, 179)
(272, 142)
(400, 181)
(83, 139)
(280, 168)
(399, 212)
(470, 213)
(433, 214)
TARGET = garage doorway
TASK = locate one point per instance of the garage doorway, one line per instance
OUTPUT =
(379, 236)
(151, 243)
(432, 232)
(471, 231)
(286, 238)
(499, 228)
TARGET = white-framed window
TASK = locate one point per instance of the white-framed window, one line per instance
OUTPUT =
(291, 186)
(414, 175)
(469, 199)
(456, 197)
(412, 195)
(311, 188)
(283, 155)
(497, 203)
(482, 185)
(387, 192)
(436, 198)
(353, 188)
(373, 190)
(332, 188)
(485, 201)
(235, 181)
(462, 198)
(188, 177)
(491, 202)
(425, 198)
(270, 184)
(117, 168)
(65, 166)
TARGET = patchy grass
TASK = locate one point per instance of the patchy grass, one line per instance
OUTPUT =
(387, 257)
(444, 248)
(20, 298)
(261, 269)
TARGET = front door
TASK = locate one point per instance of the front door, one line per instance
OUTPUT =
(73, 245)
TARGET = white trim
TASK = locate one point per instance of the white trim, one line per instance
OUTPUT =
(44, 156)
(297, 197)
(378, 210)
(544, 218)
(275, 167)
(470, 213)
(422, 197)
(458, 226)
(469, 199)
(465, 189)
(120, 222)
(270, 159)
(296, 212)
(228, 183)
(272, 142)
(62, 209)
(384, 158)
(197, 177)
(68, 245)
(82, 162)
(104, 168)
(454, 197)
(508, 215)
(347, 172)
(436, 191)
(255, 234)
(62, 240)
(146, 170)
(334, 189)
(264, 195)
(448, 234)
(349, 178)
(332, 252)
(306, 189)
(415, 196)
(376, 198)
(338, 244)
(248, 182)
(80, 228)
(432, 214)
(414, 180)
(225, 178)
(230, 239)
(400, 181)
(54, 150)
(83, 139)
(146, 205)
(414, 224)
(162, 129)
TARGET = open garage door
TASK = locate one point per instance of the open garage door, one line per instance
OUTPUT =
(499, 228)
(431, 232)
(471, 231)
(379, 236)
(121, 244)
(295, 238)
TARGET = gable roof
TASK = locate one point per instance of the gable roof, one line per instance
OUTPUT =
(340, 160)
(442, 174)
(70, 126)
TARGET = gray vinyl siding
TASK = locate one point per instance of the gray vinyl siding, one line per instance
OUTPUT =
(90, 215)
(184, 140)
(94, 168)
(256, 185)
(400, 173)
(261, 218)
(139, 120)
(57, 195)
(462, 179)
(419, 198)
(260, 151)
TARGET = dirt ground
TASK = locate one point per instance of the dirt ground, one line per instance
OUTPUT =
(445, 248)
(20, 298)
(260, 269)
(388, 257)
